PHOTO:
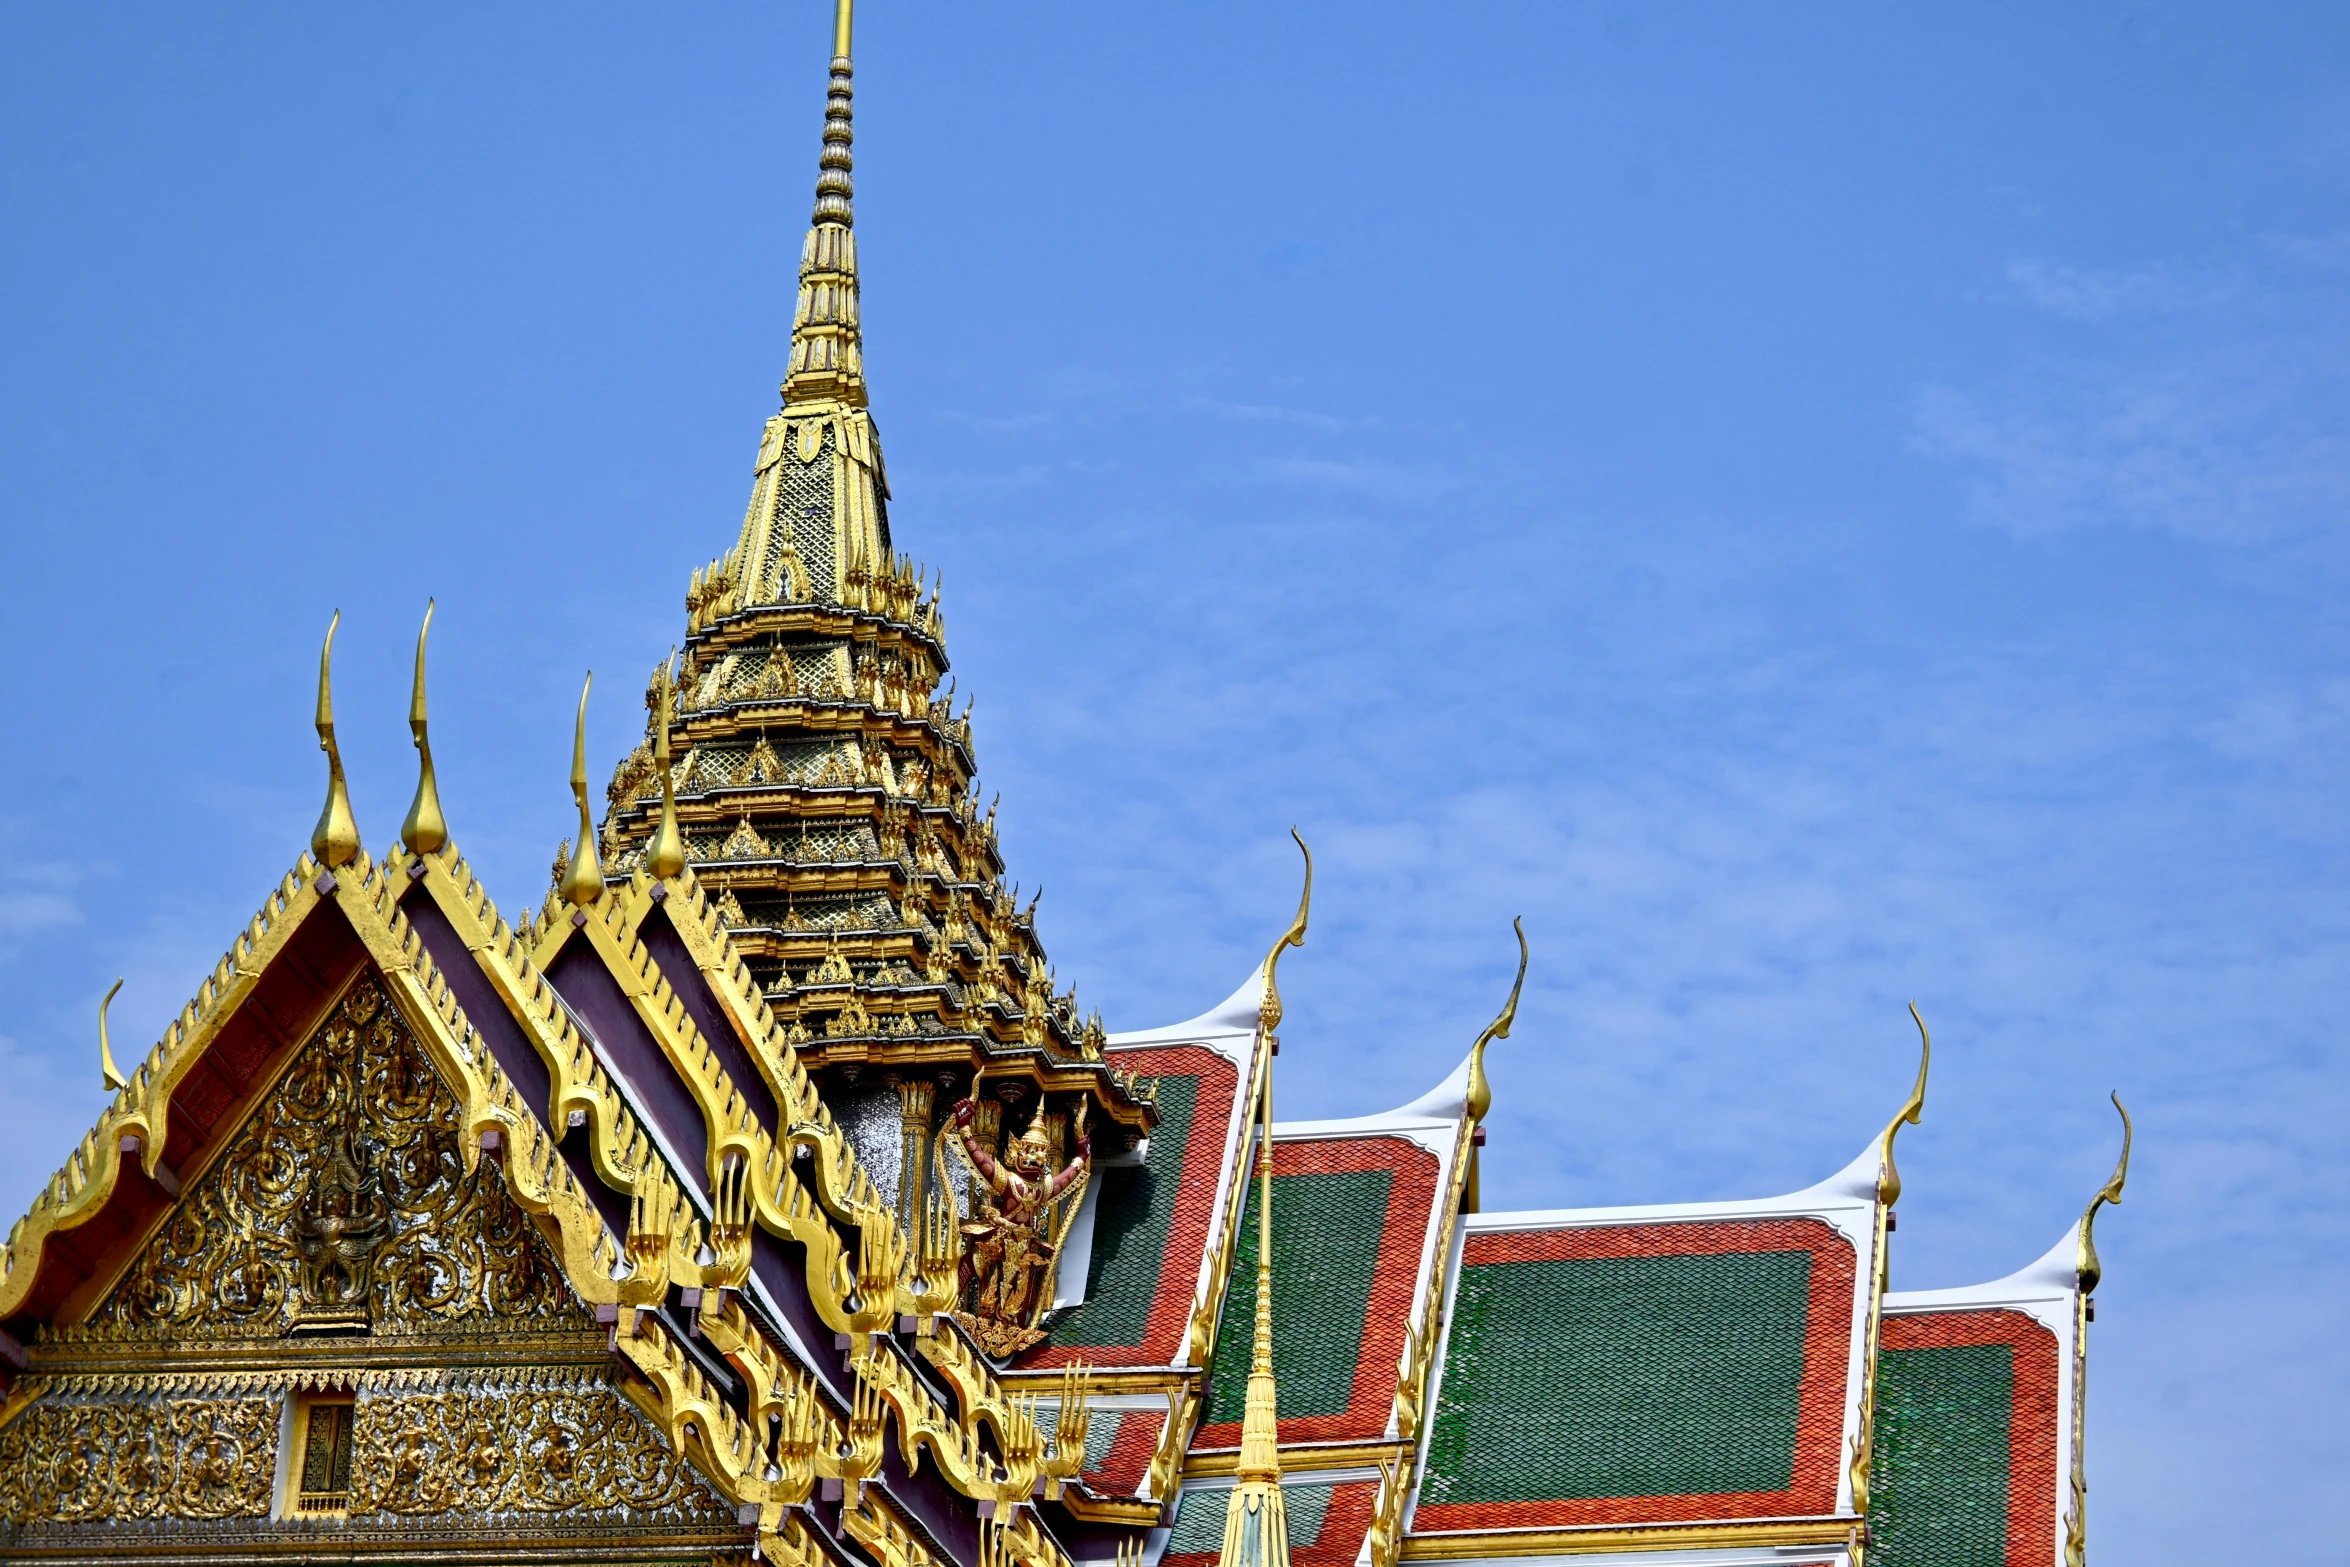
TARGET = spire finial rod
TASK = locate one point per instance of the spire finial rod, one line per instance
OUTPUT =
(583, 882)
(827, 345)
(425, 831)
(335, 840)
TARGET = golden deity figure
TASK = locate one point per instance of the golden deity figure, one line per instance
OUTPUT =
(1012, 1240)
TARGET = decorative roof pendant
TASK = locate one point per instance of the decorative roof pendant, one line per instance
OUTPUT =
(335, 840)
(425, 831)
(583, 883)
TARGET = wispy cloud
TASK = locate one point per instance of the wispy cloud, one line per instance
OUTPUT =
(2226, 426)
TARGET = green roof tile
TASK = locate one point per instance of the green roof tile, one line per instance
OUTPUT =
(1327, 1229)
(1941, 1469)
(1621, 1377)
(1133, 1218)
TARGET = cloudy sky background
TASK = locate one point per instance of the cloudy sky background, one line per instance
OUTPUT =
(1812, 508)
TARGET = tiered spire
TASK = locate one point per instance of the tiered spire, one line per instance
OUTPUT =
(820, 784)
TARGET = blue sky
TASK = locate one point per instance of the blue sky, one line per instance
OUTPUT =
(1812, 507)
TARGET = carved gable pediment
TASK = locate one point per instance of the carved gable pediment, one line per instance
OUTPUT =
(343, 1204)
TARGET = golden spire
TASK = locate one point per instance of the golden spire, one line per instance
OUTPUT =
(335, 840)
(2085, 1263)
(583, 882)
(665, 855)
(827, 347)
(1256, 1522)
(425, 830)
(1912, 1109)
(108, 1072)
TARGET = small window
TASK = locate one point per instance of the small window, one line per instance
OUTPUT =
(322, 1456)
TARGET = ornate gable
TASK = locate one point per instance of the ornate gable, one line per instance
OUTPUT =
(344, 1205)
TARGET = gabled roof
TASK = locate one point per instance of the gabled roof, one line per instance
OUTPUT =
(1159, 1231)
(658, 1120)
(1662, 1377)
(1978, 1398)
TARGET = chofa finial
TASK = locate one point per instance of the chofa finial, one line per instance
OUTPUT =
(2085, 1263)
(665, 855)
(425, 831)
(1912, 1110)
(583, 881)
(108, 1072)
(1269, 1015)
(335, 840)
(1481, 1091)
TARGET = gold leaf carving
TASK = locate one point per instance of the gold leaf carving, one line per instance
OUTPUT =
(64, 1462)
(500, 1450)
(344, 1202)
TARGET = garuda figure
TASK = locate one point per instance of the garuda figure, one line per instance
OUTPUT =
(1012, 1246)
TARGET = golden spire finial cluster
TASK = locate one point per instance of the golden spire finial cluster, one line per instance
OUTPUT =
(335, 840)
(1256, 1522)
(583, 882)
(425, 831)
(827, 345)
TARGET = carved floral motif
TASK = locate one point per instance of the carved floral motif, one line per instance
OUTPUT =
(163, 1458)
(523, 1450)
(345, 1199)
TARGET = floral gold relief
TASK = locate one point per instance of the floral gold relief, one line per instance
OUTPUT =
(65, 1462)
(343, 1205)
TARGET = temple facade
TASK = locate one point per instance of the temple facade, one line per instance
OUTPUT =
(762, 1194)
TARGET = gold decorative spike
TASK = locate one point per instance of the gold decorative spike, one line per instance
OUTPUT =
(335, 840)
(425, 830)
(1256, 1524)
(1269, 1016)
(583, 882)
(827, 345)
(665, 855)
(1480, 1091)
(108, 1072)
(2085, 1262)
(1912, 1109)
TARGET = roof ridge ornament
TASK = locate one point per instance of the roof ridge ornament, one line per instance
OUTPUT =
(108, 1072)
(2085, 1265)
(335, 840)
(1480, 1091)
(1269, 1013)
(425, 831)
(583, 882)
(1912, 1111)
(665, 855)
